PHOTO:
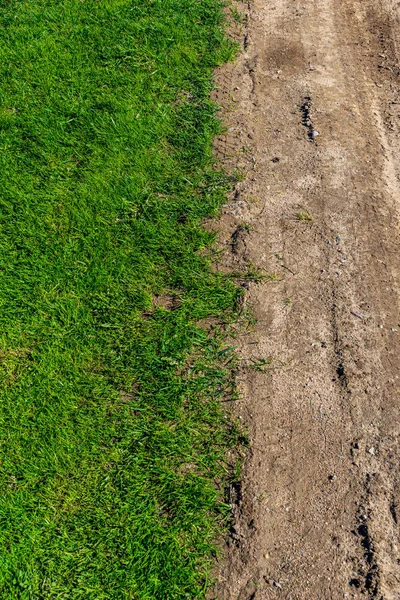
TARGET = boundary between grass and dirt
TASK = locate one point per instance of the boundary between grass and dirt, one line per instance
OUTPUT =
(114, 362)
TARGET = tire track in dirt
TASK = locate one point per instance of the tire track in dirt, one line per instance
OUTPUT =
(312, 117)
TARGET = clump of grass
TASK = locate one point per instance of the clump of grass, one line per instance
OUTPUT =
(237, 16)
(254, 273)
(264, 364)
(111, 447)
(304, 216)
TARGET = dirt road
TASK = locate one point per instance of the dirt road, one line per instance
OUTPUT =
(312, 108)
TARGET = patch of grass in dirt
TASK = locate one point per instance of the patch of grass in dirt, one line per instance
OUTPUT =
(113, 439)
(304, 216)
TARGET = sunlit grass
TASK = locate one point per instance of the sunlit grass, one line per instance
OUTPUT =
(112, 446)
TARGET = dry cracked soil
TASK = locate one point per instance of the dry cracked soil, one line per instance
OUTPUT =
(312, 113)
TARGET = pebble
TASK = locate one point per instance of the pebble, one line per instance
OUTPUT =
(371, 451)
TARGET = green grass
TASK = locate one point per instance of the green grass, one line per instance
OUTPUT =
(113, 434)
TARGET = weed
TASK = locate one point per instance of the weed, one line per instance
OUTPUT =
(304, 215)
(246, 227)
(240, 173)
(237, 16)
(255, 274)
(264, 364)
(261, 364)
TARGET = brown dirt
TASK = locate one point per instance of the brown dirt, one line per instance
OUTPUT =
(317, 513)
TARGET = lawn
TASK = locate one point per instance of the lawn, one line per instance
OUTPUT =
(113, 433)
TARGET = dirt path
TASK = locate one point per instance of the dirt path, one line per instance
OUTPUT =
(313, 111)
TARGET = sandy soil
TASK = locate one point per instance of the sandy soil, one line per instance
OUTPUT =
(312, 108)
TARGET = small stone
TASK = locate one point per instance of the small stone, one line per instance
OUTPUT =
(371, 451)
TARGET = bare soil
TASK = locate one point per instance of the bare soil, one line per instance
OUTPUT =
(312, 108)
